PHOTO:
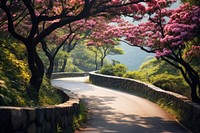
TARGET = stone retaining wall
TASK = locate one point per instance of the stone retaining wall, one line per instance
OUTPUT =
(39, 119)
(190, 112)
(68, 74)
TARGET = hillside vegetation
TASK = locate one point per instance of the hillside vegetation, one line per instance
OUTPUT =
(14, 78)
(161, 74)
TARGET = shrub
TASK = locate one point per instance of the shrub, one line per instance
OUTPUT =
(116, 70)
(119, 70)
(171, 83)
(107, 70)
(133, 75)
(48, 94)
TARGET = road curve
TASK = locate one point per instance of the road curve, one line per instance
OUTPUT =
(112, 111)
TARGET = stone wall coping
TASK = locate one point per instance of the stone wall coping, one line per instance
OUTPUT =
(184, 98)
(68, 74)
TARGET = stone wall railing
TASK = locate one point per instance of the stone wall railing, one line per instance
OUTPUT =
(190, 112)
(68, 74)
(39, 119)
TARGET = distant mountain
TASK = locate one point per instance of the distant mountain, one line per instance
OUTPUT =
(132, 58)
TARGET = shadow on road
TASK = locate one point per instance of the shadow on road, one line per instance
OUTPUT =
(103, 120)
(109, 114)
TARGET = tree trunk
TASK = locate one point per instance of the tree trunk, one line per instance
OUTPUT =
(56, 66)
(50, 69)
(102, 61)
(189, 74)
(64, 65)
(195, 82)
(95, 60)
(37, 70)
(51, 64)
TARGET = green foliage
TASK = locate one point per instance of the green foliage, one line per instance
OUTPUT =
(83, 58)
(58, 129)
(170, 107)
(107, 70)
(81, 117)
(13, 73)
(71, 67)
(115, 70)
(14, 78)
(154, 67)
(133, 75)
(48, 94)
(171, 83)
(119, 70)
(116, 51)
(161, 74)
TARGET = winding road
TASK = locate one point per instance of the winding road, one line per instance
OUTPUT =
(112, 111)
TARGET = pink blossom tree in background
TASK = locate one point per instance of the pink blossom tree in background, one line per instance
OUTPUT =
(39, 13)
(103, 38)
(173, 35)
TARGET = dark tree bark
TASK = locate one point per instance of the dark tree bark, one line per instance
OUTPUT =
(104, 52)
(64, 64)
(95, 60)
(36, 67)
(102, 61)
(189, 74)
(50, 58)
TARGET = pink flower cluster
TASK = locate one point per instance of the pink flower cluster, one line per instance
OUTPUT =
(163, 52)
(167, 30)
(104, 32)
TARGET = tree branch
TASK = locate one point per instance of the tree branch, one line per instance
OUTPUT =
(141, 47)
(11, 28)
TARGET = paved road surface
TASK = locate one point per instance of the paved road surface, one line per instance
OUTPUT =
(112, 111)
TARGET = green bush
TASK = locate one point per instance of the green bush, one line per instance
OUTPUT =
(134, 75)
(171, 83)
(48, 94)
(116, 70)
(107, 70)
(81, 118)
(119, 70)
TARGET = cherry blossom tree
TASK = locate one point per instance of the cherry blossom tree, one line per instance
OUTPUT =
(104, 38)
(24, 18)
(173, 35)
